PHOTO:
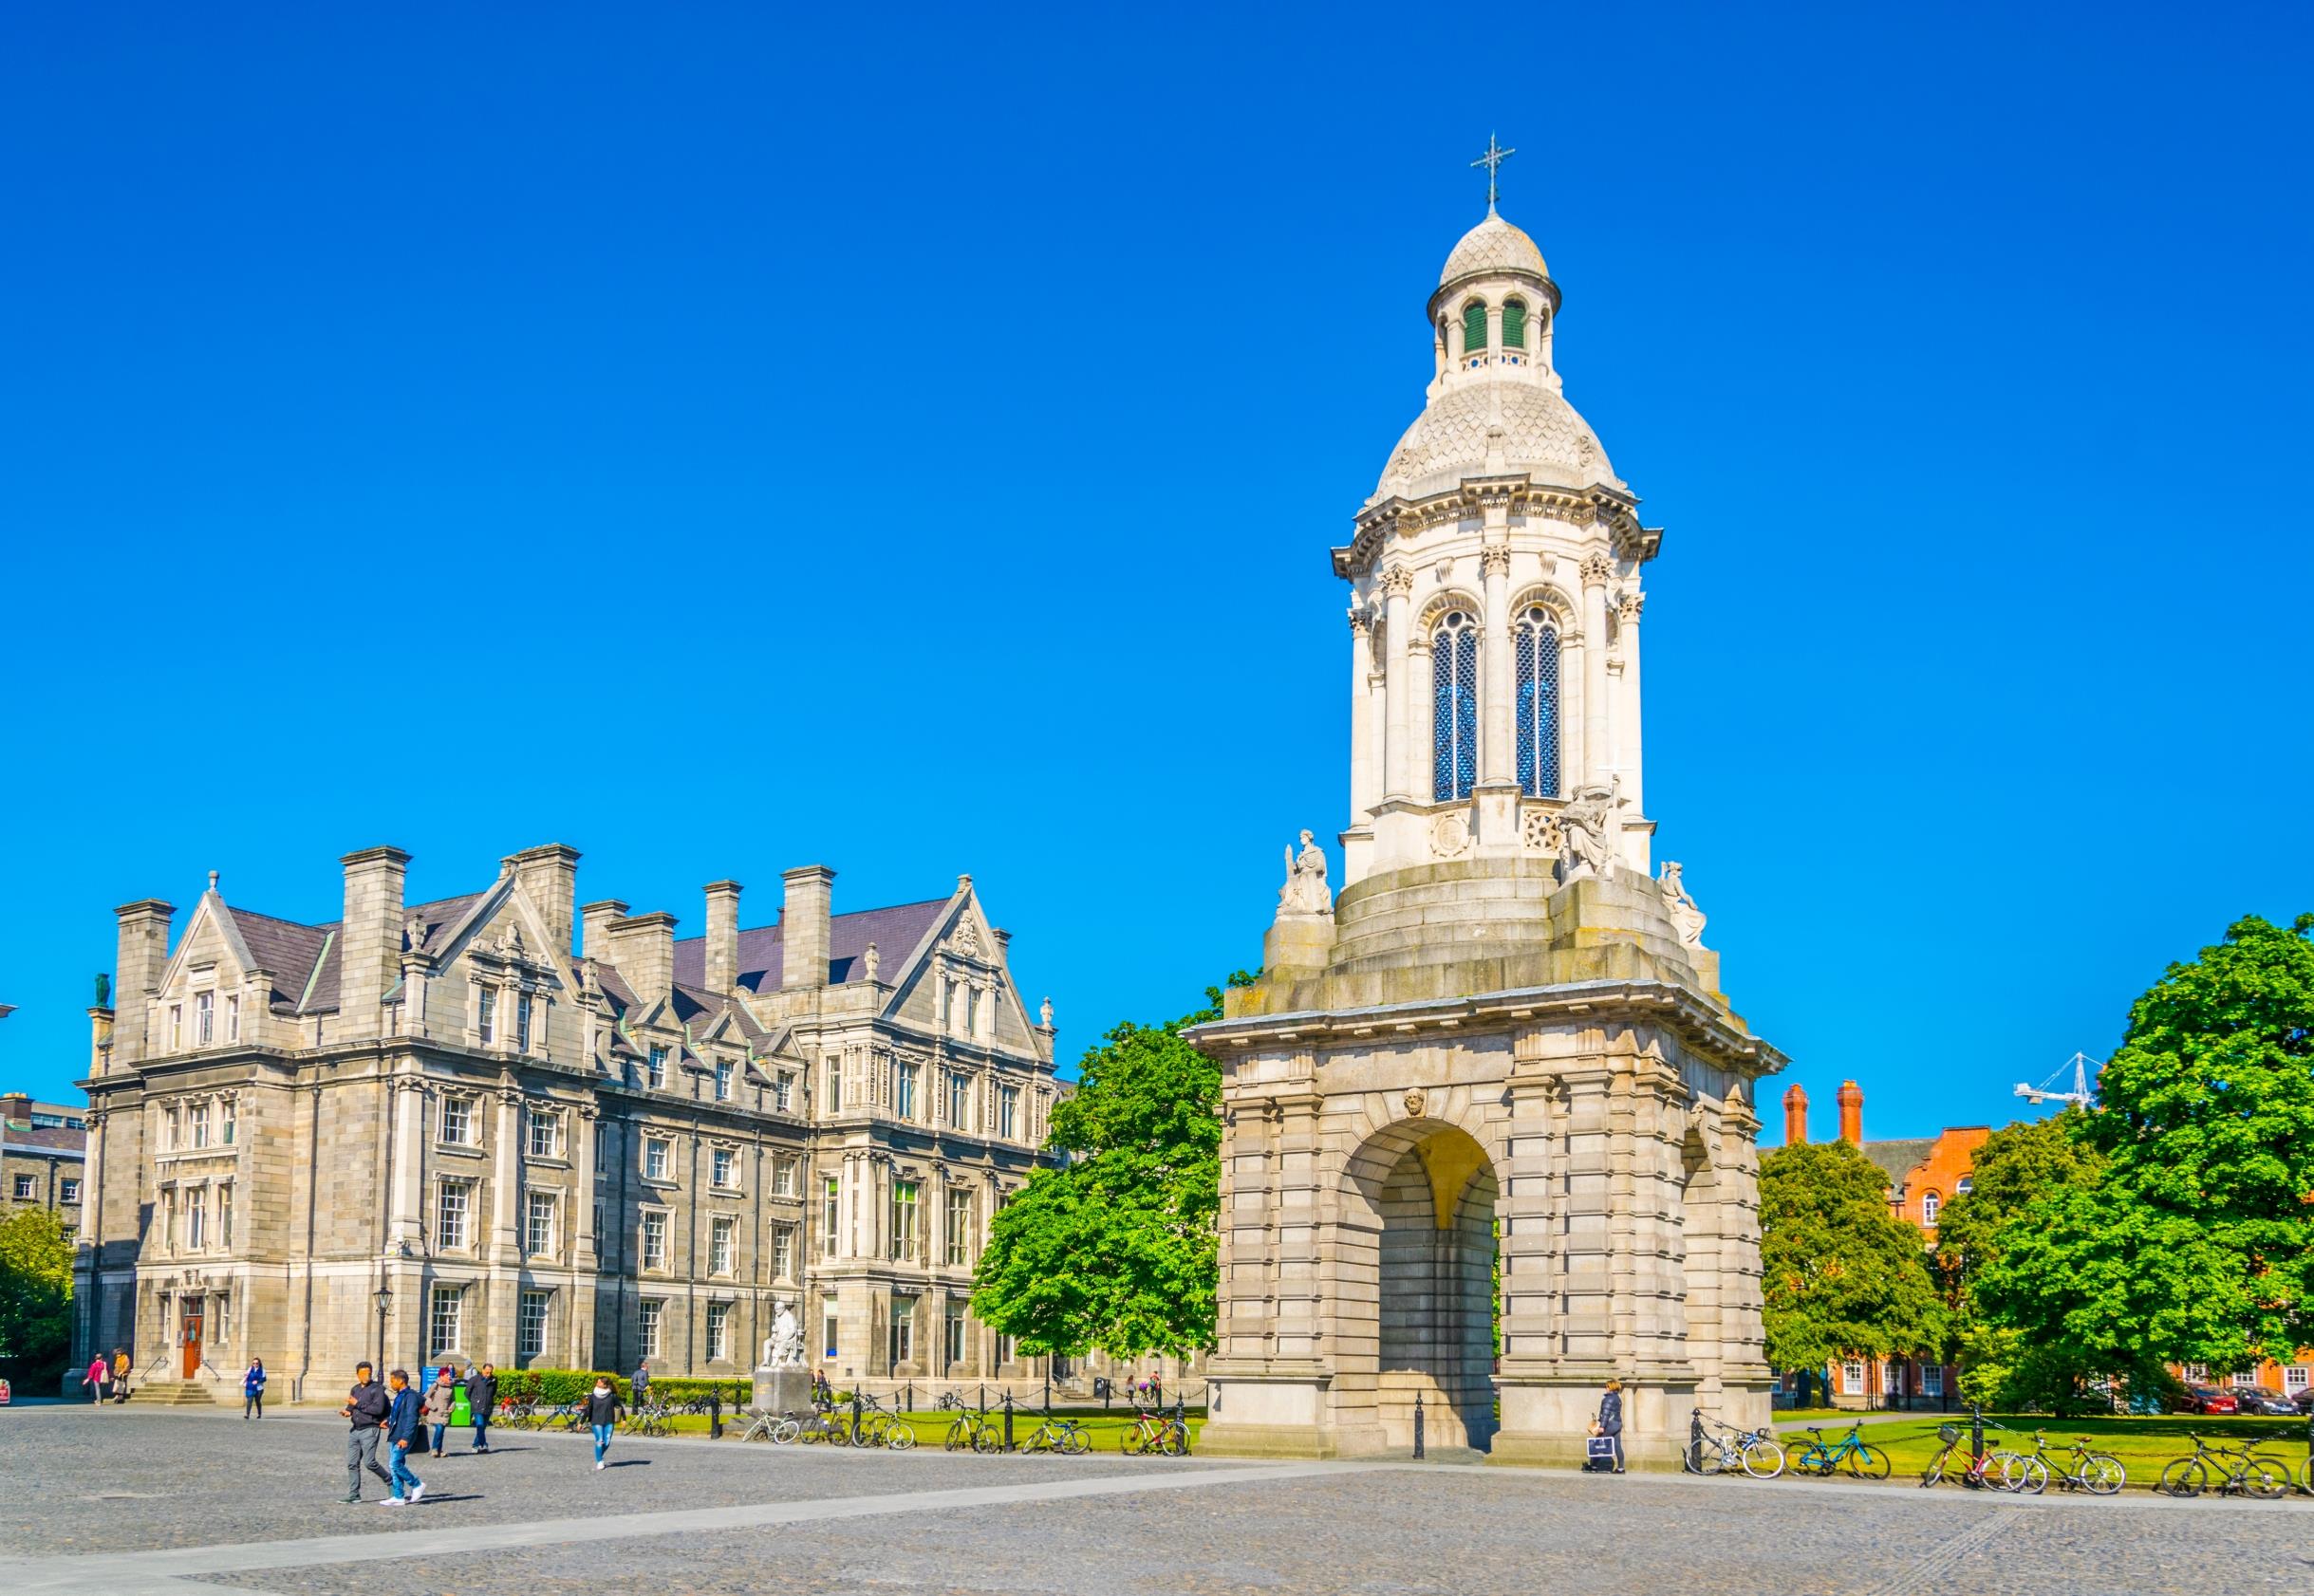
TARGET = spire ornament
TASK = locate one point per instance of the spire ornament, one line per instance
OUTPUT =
(1494, 157)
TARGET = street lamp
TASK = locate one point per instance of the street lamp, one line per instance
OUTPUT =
(384, 1297)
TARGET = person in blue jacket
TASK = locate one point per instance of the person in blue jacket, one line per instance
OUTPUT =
(402, 1434)
(252, 1390)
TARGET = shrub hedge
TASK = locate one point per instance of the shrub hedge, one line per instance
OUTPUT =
(570, 1385)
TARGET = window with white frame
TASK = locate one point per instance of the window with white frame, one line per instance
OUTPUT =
(1851, 1377)
(1454, 709)
(485, 1014)
(903, 1220)
(546, 1133)
(655, 1241)
(722, 1080)
(830, 1214)
(1933, 1380)
(233, 1019)
(785, 1170)
(2294, 1377)
(22, 1189)
(654, 1158)
(70, 1188)
(458, 1121)
(834, 1094)
(959, 1226)
(169, 1129)
(1930, 1205)
(204, 1018)
(783, 1092)
(198, 1119)
(446, 1328)
(655, 1070)
(718, 1245)
(452, 1205)
(829, 1324)
(903, 1090)
(197, 1218)
(1008, 1112)
(726, 1166)
(225, 1218)
(176, 1026)
(168, 1217)
(654, 1315)
(719, 1332)
(220, 1320)
(228, 1112)
(530, 1332)
(1965, 1184)
(1535, 646)
(783, 1252)
(522, 1022)
(959, 1100)
(538, 1224)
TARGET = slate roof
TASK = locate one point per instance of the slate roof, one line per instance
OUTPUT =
(62, 1138)
(1898, 1159)
(895, 931)
(290, 951)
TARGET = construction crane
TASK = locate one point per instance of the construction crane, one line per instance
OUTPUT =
(2080, 1096)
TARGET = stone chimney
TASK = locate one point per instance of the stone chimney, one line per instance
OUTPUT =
(1795, 1115)
(369, 937)
(594, 927)
(548, 877)
(1852, 1113)
(803, 926)
(722, 936)
(16, 1108)
(642, 946)
(144, 955)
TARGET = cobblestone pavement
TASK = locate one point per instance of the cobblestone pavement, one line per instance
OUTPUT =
(250, 1508)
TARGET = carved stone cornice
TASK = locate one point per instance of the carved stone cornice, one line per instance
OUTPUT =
(1610, 510)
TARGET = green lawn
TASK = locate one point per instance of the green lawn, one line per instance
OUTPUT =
(2143, 1445)
(1107, 1429)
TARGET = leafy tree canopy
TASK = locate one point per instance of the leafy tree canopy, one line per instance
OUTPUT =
(1117, 1248)
(1840, 1274)
(35, 1285)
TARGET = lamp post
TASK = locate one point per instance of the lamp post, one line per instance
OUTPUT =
(384, 1299)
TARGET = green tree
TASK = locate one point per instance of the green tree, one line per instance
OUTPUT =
(2196, 1245)
(1840, 1276)
(1117, 1248)
(35, 1287)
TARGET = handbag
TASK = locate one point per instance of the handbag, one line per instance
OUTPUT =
(1600, 1449)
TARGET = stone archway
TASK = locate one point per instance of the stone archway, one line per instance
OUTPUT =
(1417, 1248)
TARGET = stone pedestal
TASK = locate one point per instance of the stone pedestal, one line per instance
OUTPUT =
(783, 1390)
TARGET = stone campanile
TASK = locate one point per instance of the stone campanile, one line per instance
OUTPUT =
(1505, 1030)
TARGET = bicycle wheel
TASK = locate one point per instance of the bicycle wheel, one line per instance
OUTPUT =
(2185, 1476)
(1176, 1440)
(1704, 1457)
(2102, 1475)
(2018, 1473)
(1763, 1459)
(900, 1437)
(1868, 1463)
(1813, 1461)
(1079, 1440)
(985, 1440)
(786, 1432)
(959, 1436)
(2280, 1466)
(2264, 1482)
(1135, 1441)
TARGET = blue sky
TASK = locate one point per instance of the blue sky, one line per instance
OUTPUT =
(724, 438)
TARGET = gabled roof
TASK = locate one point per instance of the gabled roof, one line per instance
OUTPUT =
(287, 950)
(1898, 1159)
(896, 931)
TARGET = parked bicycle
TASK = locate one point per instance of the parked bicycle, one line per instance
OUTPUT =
(873, 1424)
(2228, 1470)
(972, 1430)
(1165, 1430)
(2082, 1468)
(1717, 1448)
(1975, 1472)
(1064, 1436)
(1820, 1456)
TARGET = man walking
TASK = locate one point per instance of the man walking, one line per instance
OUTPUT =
(482, 1401)
(366, 1405)
(403, 1430)
(640, 1388)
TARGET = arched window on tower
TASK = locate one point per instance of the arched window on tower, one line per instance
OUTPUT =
(1474, 328)
(1514, 323)
(1535, 645)
(1454, 716)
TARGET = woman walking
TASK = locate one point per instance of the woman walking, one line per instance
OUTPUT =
(1611, 1419)
(253, 1391)
(99, 1379)
(441, 1397)
(601, 1412)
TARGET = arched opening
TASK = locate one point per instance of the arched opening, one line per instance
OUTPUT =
(1536, 641)
(1474, 328)
(1514, 323)
(1421, 1239)
(1454, 710)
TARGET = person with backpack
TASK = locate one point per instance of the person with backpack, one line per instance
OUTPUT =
(404, 1432)
(253, 1391)
(99, 1379)
(366, 1404)
(440, 1402)
(601, 1412)
(482, 1402)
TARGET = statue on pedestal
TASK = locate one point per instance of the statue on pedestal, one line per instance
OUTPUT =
(784, 1347)
(1586, 831)
(1305, 891)
(1685, 915)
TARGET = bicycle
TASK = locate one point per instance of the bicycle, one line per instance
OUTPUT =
(1724, 1449)
(873, 1424)
(1819, 1458)
(972, 1430)
(2100, 1473)
(1064, 1436)
(2238, 1470)
(1973, 1474)
(1165, 1430)
(767, 1425)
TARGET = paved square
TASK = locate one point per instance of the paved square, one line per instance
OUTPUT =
(128, 1503)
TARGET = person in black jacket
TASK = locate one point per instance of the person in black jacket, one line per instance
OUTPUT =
(1611, 1419)
(405, 1434)
(601, 1412)
(482, 1401)
(365, 1404)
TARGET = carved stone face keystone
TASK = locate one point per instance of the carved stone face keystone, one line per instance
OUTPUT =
(1414, 1103)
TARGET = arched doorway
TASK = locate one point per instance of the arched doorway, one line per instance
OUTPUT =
(1419, 1243)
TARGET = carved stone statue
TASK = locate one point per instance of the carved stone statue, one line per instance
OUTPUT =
(1586, 844)
(1044, 1014)
(1305, 891)
(784, 1347)
(1685, 915)
(105, 991)
(867, 962)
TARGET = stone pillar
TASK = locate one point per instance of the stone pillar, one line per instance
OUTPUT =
(1398, 761)
(1363, 786)
(369, 954)
(722, 973)
(1745, 1376)
(1629, 756)
(407, 1099)
(1598, 569)
(804, 926)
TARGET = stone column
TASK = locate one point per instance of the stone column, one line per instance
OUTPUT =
(1362, 783)
(1627, 713)
(506, 1170)
(409, 1190)
(1398, 761)
(1597, 568)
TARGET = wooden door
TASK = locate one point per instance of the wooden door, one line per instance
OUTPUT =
(192, 1336)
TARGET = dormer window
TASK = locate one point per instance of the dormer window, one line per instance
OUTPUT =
(722, 1081)
(1474, 328)
(655, 1072)
(1514, 323)
(204, 1018)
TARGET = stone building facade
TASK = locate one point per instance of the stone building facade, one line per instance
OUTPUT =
(43, 1149)
(429, 1131)
(1506, 1030)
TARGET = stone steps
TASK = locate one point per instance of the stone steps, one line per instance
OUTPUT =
(172, 1393)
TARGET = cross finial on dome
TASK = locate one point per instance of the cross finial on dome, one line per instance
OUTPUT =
(1494, 157)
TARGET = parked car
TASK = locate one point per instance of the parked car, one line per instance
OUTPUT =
(2263, 1398)
(2305, 1400)
(2206, 1399)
